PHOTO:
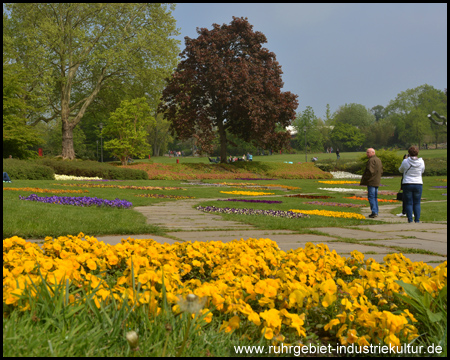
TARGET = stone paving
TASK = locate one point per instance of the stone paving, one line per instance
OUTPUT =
(182, 222)
(376, 241)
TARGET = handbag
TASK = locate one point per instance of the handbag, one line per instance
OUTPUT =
(400, 194)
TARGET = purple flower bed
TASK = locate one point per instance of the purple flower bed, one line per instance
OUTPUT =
(254, 179)
(277, 213)
(440, 187)
(322, 203)
(78, 201)
(253, 201)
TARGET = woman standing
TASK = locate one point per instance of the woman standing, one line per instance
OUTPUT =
(412, 169)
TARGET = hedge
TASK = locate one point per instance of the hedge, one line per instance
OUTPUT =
(45, 169)
(27, 170)
(391, 162)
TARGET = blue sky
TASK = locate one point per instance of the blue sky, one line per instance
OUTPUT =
(341, 53)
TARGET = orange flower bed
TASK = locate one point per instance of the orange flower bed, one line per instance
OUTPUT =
(39, 190)
(365, 199)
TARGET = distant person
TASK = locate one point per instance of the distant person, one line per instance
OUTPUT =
(249, 157)
(412, 169)
(371, 178)
(6, 177)
(331, 150)
(337, 154)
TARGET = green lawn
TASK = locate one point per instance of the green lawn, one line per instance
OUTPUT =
(37, 220)
(426, 154)
(53, 329)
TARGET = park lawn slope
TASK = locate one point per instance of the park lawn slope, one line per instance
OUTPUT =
(198, 171)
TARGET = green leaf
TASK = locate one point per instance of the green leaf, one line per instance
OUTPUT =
(411, 290)
(434, 317)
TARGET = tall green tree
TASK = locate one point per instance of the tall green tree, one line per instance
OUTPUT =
(314, 130)
(378, 112)
(353, 114)
(79, 48)
(128, 128)
(227, 81)
(379, 134)
(18, 136)
(328, 116)
(159, 136)
(409, 110)
(347, 137)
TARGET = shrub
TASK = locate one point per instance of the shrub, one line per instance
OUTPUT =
(348, 165)
(390, 160)
(27, 170)
(435, 167)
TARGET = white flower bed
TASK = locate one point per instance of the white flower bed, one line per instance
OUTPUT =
(70, 177)
(344, 175)
(341, 189)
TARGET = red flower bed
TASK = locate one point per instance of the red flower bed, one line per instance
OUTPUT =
(191, 171)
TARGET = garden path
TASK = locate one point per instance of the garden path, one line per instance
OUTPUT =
(182, 222)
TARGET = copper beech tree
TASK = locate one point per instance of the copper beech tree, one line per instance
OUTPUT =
(227, 82)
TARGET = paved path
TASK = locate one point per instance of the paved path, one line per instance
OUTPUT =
(182, 222)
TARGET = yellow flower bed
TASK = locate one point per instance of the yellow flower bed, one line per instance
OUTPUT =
(328, 213)
(251, 193)
(252, 283)
(339, 182)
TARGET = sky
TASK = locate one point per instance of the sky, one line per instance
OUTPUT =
(339, 54)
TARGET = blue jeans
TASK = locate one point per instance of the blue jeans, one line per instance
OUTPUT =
(372, 195)
(411, 197)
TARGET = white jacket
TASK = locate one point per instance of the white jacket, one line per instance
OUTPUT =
(412, 169)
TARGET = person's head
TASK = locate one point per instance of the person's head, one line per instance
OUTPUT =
(370, 152)
(413, 151)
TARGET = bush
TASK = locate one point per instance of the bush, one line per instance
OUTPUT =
(390, 160)
(347, 165)
(92, 169)
(27, 170)
(435, 167)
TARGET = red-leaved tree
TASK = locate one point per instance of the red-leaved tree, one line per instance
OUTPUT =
(227, 81)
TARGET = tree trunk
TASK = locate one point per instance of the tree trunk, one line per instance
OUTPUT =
(68, 151)
(223, 142)
(157, 150)
(123, 160)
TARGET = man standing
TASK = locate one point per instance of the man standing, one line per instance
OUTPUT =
(371, 178)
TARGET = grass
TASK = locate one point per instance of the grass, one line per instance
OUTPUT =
(299, 157)
(52, 329)
(56, 329)
(37, 220)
